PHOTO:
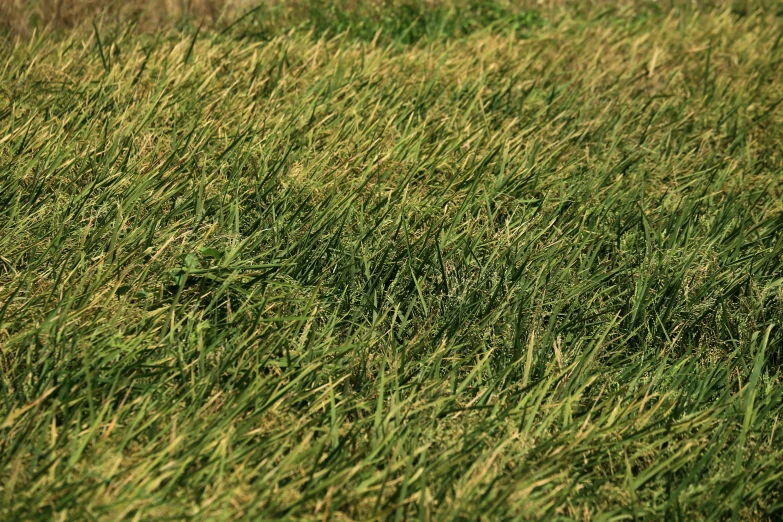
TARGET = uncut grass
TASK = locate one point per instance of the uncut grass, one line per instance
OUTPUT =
(406, 20)
(468, 278)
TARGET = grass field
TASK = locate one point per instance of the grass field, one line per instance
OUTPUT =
(343, 260)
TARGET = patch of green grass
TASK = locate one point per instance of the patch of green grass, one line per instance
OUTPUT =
(400, 21)
(447, 274)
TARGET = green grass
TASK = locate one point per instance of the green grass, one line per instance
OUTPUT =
(521, 265)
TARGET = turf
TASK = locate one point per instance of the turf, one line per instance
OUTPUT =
(339, 264)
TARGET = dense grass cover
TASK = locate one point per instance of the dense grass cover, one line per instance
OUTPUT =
(515, 264)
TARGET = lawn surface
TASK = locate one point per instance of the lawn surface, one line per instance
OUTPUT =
(379, 261)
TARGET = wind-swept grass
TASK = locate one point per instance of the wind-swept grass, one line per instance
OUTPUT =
(529, 267)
